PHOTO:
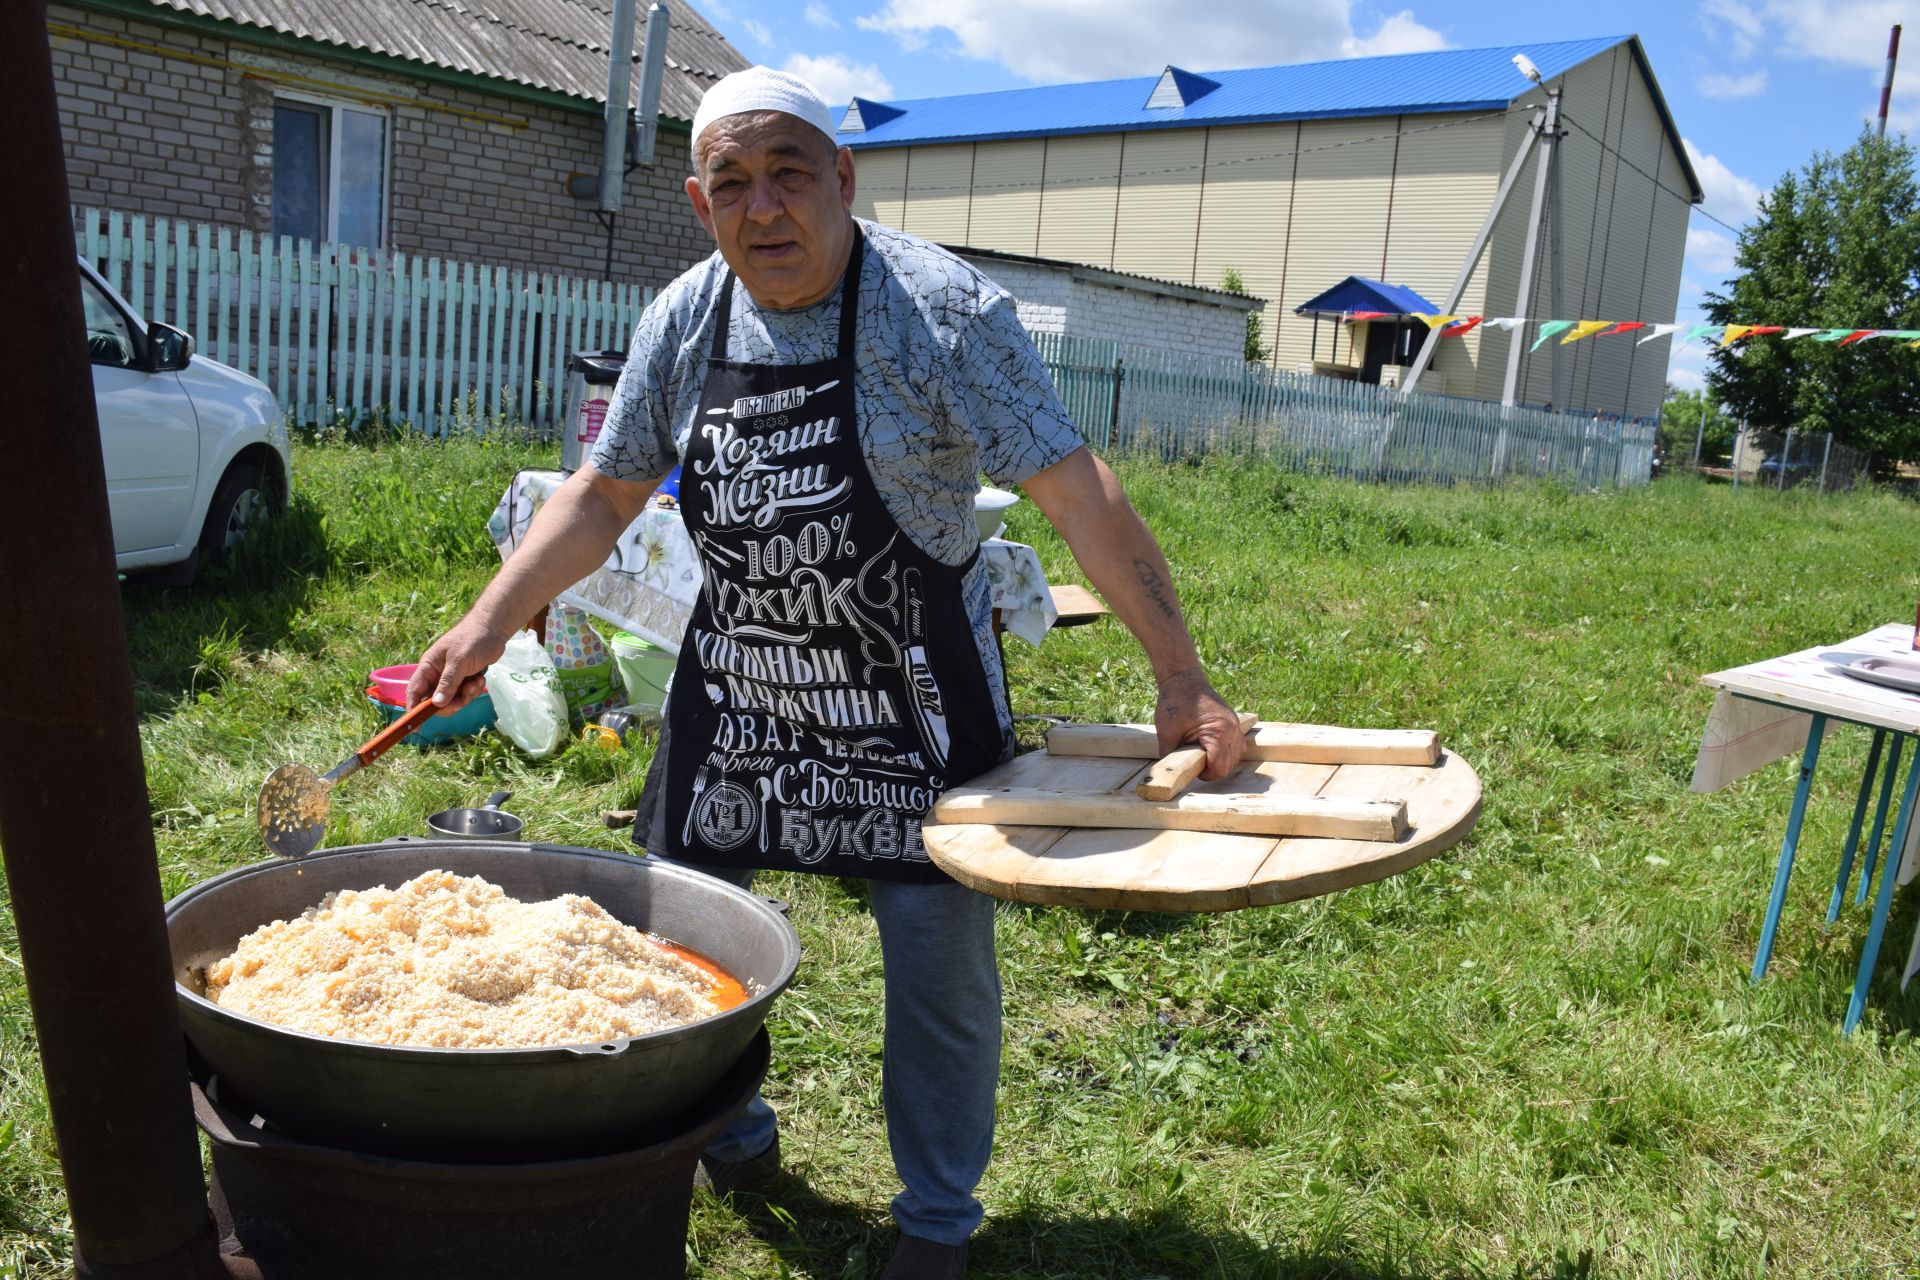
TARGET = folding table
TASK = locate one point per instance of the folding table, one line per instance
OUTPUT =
(1764, 710)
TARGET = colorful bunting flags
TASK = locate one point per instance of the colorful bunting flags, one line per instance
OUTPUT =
(1570, 331)
(1586, 329)
(1547, 329)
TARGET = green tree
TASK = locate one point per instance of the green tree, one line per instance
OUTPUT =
(1838, 246)
(1256, 350)
(1681, 419)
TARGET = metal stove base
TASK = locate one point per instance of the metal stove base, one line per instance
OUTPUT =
(300, 1211)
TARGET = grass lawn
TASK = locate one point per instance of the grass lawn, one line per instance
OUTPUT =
(1538, 1055)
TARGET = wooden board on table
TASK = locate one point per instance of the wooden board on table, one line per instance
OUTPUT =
(1154, 870)
(1267, 740)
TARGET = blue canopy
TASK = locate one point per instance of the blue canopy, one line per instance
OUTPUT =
(1358, 293)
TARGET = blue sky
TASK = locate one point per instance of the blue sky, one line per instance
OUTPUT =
(1756, 86)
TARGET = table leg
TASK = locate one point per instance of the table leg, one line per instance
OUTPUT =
(1883, 903)
(1880, 818)
(1784, 870)
(1853, 832)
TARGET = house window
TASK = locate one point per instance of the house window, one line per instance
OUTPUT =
(329, 172)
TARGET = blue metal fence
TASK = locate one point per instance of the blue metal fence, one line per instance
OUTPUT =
(1187, 406)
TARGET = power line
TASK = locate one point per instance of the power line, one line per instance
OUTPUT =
(1684, 197)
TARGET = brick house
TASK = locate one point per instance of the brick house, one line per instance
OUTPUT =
(426, 128)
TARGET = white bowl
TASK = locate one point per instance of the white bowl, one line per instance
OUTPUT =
(990, 510)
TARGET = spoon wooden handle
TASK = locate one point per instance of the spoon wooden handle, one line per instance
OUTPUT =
(376, 746)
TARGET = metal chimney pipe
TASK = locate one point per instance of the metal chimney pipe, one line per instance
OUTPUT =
(1886, 85)
(613, 142)
(653, 65)
(74, 824)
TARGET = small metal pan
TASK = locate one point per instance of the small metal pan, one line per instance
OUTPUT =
(484, 823)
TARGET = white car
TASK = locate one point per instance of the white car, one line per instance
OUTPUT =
(196, 453)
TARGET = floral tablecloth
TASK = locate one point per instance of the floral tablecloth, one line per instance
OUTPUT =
(652, 576)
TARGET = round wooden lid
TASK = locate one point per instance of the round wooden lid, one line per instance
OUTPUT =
(1143, 870)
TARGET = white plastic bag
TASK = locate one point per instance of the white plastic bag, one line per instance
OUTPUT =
(527, 702)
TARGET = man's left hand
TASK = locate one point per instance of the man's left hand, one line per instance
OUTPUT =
(1189, 713)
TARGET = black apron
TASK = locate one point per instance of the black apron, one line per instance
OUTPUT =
(829, 687)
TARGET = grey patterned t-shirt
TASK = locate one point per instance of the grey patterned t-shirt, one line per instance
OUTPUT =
(947, 385)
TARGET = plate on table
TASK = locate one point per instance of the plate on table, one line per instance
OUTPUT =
(1893, 673)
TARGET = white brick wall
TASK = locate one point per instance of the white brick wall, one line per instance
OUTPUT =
(1056, 299)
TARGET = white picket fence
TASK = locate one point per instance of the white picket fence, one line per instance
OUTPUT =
(343, 333)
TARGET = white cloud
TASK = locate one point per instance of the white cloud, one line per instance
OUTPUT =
(1751, 85)
(1689, 286)
(1397, 34)
(716, 10)
(1709, 253)
(1734, 22)
(837, 78)
(820, 16)
(758, 30)
(1730, 197)
(1067, 40)
(1846, 33)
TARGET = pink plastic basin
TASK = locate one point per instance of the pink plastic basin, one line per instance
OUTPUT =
(391, 682)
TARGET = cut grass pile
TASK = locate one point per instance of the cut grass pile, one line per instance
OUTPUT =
(1536, 1056)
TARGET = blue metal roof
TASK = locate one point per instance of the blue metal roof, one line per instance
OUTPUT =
(1358, 293)
(1406, 83)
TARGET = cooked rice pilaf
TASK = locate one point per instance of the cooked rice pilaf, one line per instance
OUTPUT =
(451, 962)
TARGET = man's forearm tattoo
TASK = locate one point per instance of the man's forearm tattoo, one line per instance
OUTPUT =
(1156, 586)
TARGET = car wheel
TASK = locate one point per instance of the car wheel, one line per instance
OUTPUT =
(241, 504)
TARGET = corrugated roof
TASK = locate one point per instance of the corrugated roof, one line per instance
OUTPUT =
(1409, 83)
(1359, 293)
(556, 45)
(1179, 288)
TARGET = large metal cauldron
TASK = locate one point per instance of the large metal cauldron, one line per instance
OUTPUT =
(486, 1105)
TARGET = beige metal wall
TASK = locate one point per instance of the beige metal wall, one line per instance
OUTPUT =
(1298, 207)
(1622, 234)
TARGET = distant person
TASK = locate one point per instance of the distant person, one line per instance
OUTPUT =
(832, 416)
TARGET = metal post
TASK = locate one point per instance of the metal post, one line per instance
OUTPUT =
(74, 824)
(1786, 460)
(1886, 85)
(1549, 127)
(1550, 143)
(1739, 448)
(1474, 252)
(1789, 845)
(1825, 453)
(1699, 435)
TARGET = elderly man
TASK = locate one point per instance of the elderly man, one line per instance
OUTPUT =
(832, 390)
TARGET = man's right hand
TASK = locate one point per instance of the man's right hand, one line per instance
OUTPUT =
(453, 670)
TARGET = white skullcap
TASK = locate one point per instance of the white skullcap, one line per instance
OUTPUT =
(763, 89)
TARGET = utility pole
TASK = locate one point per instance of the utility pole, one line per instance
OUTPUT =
(1542, 130)
(1549, 133)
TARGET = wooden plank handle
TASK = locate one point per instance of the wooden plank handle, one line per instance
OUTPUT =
(1170, 774)
(1260, 815)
